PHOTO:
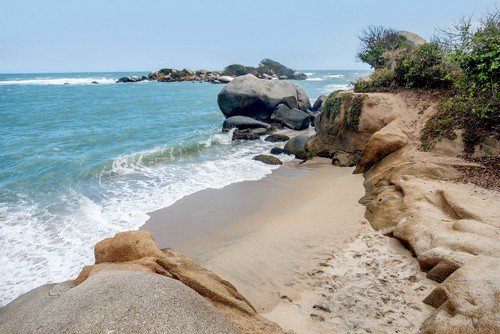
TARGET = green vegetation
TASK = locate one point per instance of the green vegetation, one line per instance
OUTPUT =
(353, 106)
(463, 62)
(235, 70)
(376, 41)
(352, 112)
(332, 104)
(382, 80)
(424, 67)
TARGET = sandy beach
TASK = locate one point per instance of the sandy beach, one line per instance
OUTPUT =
(261, 235)
(282, 239)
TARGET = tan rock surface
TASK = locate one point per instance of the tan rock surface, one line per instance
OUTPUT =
(452, 228)
(137, 250)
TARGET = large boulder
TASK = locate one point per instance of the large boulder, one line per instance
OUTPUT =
(257, 98)
(382, 143)
(347, 122)
(292, 118)
(243, 122)
(298, 147)
(225, 79)
(122, 301)
(135, 287)
(318, 103)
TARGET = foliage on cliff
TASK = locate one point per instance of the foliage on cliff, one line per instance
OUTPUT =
(352, 105)
(463, 60)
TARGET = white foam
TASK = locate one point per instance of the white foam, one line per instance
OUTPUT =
(58, 81)
(315, 79)
(333, 87)
(333, 76)
(38, 246)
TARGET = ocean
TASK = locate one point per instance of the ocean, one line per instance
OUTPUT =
(80, 162)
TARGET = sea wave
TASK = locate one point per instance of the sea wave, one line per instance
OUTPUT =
(58, 236)
(58, 81)
(333, 76)
(333, 87)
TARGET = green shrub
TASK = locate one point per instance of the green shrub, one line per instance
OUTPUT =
(376, 41)
(424, 67)
(382, 80)
(234, 70)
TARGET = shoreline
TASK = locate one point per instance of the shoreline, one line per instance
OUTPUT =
(258, 246)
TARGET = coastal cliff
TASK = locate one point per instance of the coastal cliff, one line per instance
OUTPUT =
(419, 197)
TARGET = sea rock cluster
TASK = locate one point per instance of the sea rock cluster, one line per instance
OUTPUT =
(255, 107)
(268, 69)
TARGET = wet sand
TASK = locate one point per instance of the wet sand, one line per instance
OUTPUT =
(263, 235)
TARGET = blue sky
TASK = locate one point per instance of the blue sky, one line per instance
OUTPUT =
(118, 35)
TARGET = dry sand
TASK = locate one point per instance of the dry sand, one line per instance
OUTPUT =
(295, 239)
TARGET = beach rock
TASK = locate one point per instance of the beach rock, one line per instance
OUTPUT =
(299, 75)
(277, 137)
(225, 79)
(318, 103)
(343, 159)
(137, 251)
(249, 96)
(413, 38)
(133, 78)
(277, 151)
(382, 143)
(292, 118)
(249, 134)
(119, 301)
(267, 159)
(298, 147)
(333, 135)
(303, 101)
(243, 122)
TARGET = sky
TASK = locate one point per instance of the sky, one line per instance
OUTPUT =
(133, 35)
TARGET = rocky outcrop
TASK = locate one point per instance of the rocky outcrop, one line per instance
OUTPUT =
(243, 123)
(135, 287)
(173, 75)
(382, 143)
(133, 78)
(347, 122)
(452, 228)
(298, 147)
(267, 159)
(249, 96)
(277, 151)
(277, 137)
(120, 301)
(294, 118)
(318, 103)
(267, 69)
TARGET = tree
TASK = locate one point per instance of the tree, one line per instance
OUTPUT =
(375, 41)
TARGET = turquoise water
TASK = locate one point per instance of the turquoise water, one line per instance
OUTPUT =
(81, 161)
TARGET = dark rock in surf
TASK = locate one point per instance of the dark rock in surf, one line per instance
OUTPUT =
(277, 137)
(243, 122)
(292, 118)
(267, 159)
